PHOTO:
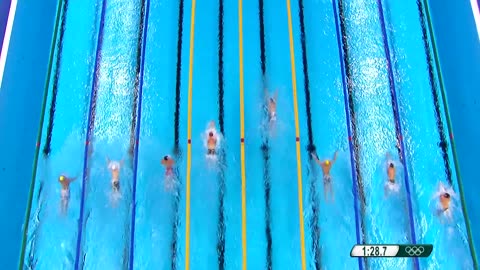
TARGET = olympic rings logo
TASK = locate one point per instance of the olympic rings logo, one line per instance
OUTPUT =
(414, 251)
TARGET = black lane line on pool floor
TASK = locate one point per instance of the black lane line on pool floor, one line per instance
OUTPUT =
(316, 247)
(443, 144)
(354, 138)
(222, 161)
(56, 76)
(265, 145)
(176, 143)
(129, 242)
(398, 128)
(136, 87)
(79, 260)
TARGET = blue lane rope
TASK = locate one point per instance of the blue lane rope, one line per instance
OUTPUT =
(137, 135)
(90, 128)
(351, 147)
(399, 125)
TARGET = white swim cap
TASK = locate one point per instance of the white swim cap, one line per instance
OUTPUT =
(114, 165)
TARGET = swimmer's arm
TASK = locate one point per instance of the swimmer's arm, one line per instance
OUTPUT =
(71, 179)
(335, 157)
(314, 156)
(275, 95)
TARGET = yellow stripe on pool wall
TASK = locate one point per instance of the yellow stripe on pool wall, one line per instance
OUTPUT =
(189, 143)
(242, 137)
(297, 134)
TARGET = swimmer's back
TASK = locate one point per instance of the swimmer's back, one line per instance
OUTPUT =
(326, 168)
(391, 173)
(212, 142)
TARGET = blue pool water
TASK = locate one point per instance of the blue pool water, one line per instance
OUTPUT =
(96, 232)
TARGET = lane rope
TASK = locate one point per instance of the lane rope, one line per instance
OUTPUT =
(398, 126)
(297, 139)
(90, 128)
(189, 136)
(242, 135)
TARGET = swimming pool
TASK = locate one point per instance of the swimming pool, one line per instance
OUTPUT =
(351, 76)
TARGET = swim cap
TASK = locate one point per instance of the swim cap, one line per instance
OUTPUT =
(61, 178)
(446, 195)
(165, 158)
(391, 165)
(327, 162)
(210, 134)
(114, 165)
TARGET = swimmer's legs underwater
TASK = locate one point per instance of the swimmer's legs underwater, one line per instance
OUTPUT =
(327, 187)
(116, 185)
(65, 198)
(169, 181)
(445, 215)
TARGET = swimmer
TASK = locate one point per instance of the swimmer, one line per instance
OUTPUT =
(327, 178)
(444, 205)
(168, 163)
(169, 181)
(391, 175)
(114, 167)
(212, 140)
(65, 192)
(271, 105)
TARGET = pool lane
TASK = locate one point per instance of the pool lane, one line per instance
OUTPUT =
(256, 218)
(155, 215)
(417, 108)
(287, 248)
(232, 198)
(329, 132)
(51, 235)
(376, 129)
(204, 183)
(106, 217)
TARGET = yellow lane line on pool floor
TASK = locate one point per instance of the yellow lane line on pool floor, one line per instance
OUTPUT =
(189, 143)
(297, 140)
(242, 137)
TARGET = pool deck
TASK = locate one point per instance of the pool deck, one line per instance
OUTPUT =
(4, 10)
(476, 14)
(7, 14)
